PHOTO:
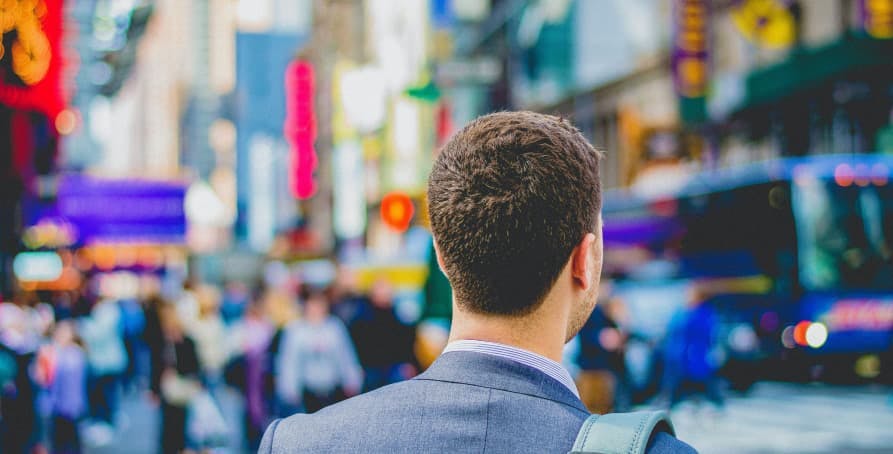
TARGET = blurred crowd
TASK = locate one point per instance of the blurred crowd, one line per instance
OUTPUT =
(67, 359)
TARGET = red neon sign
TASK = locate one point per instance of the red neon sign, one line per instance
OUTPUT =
(300, 128)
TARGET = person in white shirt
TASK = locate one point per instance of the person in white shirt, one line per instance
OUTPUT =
(317, 364)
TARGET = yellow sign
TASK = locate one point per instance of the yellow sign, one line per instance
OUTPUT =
(877, 18)
(690, 54)
(399, 276)
(767, 23)
(30, 51)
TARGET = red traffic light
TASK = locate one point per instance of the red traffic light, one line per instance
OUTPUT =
(397, 210)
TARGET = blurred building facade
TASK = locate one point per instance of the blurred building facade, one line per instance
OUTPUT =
(200, 92)
(262, 176)
(772, 78)
(376, 125)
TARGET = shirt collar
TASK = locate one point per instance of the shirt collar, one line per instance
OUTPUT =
(528, 358)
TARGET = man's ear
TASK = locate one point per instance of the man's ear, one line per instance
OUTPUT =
(586, 261)
(439, 258)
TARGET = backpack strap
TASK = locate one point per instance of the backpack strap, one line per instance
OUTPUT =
(621, 433)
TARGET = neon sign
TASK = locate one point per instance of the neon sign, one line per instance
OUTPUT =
(690, 47)
(860, 314)
(32, 57)
(877, 18)
(300, 128)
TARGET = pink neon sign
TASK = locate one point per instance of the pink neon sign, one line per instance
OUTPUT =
(300, 128)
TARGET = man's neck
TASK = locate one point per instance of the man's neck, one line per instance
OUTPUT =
(541, 335)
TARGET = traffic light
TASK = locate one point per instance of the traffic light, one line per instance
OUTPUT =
(397, 210)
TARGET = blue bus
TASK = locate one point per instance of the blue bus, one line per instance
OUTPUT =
(794, 255)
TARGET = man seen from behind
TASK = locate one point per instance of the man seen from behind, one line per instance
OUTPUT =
(515, 202)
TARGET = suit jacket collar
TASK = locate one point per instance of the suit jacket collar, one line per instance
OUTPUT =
(489, 371)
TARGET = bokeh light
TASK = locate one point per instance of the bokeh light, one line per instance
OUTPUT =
(844, 175)
(800, 332)
(816, 335)
(787, 337)
(66, 122)
(863, 177)
(868, 366)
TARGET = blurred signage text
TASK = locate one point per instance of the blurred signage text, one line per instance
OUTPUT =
(101, 210)
(480, 70)
(690, 58)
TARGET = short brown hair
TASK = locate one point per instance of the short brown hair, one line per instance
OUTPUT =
(509, 197)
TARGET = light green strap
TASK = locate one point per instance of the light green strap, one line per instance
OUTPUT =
(621, 433)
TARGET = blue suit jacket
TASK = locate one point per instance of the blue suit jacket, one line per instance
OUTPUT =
(465, 402)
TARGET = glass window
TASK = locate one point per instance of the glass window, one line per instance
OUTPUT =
(845, 235)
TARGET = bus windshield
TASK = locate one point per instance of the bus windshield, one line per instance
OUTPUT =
(844, 235)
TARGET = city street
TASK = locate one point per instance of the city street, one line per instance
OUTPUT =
(303, 199)
(774, 418)
(788, 418)
(139, 426)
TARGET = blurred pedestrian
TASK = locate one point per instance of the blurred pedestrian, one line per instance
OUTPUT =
(107, 357)
(317, 364)
(19, 424)
(281, 309)
(235, 302)
(347, 301)
(210, 336)
(153, 336)
(177, 381)
(64, 304)
(67, 383)
(133, 322)
(692, 355)
(385, 345)
(84, 298)
(600, 359)
(256, 334)
(187, 303)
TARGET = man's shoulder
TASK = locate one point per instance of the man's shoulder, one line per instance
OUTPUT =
(350, 422)
(389, 399)
(423, 415)
(426, 414)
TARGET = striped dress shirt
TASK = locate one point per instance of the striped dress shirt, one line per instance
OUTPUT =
(530, 359)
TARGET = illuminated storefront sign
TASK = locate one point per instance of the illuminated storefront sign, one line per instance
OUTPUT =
(349, 197)
(300, 128)
(37, 266)
(690, 47)
(860, 314)
(358, 97)
(126, 211)
(877, 18)
(33, 56)
(768, 23)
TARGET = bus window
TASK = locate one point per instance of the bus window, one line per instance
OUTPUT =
(845, 236)
(740, 232)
